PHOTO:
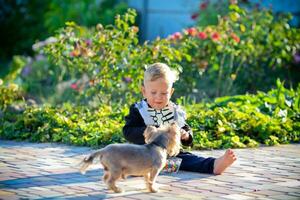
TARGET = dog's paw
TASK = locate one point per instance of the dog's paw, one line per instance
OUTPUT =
(118, 190)
(153, 189)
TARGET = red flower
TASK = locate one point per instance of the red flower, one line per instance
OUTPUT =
(204, 5)
(215, 36)
(202, 35)
(235, 37)
(75, 53)
(192, 31)
(195, 16)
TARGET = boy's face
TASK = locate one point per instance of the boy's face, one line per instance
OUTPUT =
(157, 93)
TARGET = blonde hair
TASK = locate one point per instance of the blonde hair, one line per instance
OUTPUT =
(160, 70)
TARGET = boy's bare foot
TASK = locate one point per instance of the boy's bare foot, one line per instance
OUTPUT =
(224, 161)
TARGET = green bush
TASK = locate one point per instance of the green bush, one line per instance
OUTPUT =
(66, 124)
(229, 122)
(10, 94)
(244, 52)
(86, 13)
(247, 120)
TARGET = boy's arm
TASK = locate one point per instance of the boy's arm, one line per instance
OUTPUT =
(185, 140)
(189, 141)
(134, 126)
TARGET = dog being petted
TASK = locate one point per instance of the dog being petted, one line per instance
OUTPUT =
(122, 160)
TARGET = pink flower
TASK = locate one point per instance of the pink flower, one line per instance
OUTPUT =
(233, 2)
(127, 79)
(202, 35)
(176, 36)
(88, 42)
(74, 86)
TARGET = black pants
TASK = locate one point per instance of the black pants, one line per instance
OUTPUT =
(193, 163)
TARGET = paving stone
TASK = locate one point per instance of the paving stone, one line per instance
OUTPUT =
(253, 195)
(285, 197)
(285, 189)
(6, 193)
(269, 192)
(236, 197)
(296, 194)
(291, 183)
(49, 171)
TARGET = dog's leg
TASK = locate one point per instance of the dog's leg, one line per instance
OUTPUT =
(105, 176)
(111, 182)
(124, 173)
(152, 178)
(147, 181)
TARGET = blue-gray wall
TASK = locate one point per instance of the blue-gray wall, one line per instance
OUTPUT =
(164, 17)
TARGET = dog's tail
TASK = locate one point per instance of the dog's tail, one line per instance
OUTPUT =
(87, 161)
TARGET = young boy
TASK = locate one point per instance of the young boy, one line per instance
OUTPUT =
(157, 109)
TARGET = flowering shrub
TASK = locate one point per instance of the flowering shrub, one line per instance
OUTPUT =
(244, 51)
(108, 62)
(208, 12)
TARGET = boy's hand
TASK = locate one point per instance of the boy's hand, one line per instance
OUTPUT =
(184, 135)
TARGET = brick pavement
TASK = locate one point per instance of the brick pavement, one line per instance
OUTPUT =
(49, 171)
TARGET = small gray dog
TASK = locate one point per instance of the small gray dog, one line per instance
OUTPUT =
(122, 160)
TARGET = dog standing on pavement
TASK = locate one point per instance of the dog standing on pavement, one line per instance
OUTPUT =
(121, 160)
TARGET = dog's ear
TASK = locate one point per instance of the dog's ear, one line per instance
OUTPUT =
(150, 129)
(149, 133)
(175, 125)
(174, 139)
(174, 128)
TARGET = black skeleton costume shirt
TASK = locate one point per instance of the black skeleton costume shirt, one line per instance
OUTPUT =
(142, 115)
